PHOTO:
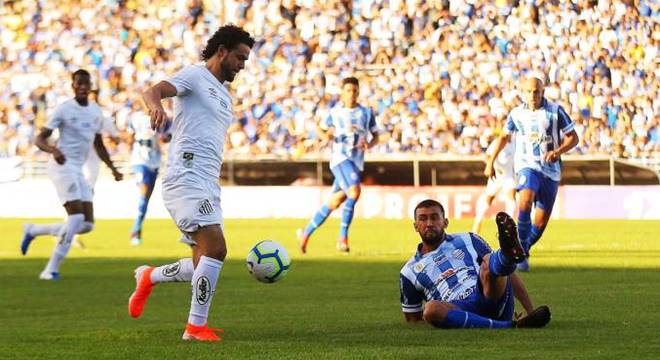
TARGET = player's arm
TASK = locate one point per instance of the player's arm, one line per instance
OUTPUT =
(105, 157)
(413, 317)
(498, 145)
(520, 293)
(570, 141)
(152, 101)
(42, 143)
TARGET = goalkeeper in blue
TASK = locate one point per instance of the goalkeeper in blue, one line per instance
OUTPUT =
(352, 129)
(543, 131)
(457, 281)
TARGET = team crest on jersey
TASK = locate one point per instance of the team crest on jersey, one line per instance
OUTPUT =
(172, 269)
(205, 207)
(458, 254)
(203, 289)
(188, 159)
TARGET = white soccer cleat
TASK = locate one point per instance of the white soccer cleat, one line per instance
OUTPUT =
(49, 275)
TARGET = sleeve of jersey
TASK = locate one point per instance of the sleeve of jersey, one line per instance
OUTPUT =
(411, 298)
(55, 120)
(565, 123)
(510, 125)
(183, 80)
(327, 122)
(480, 245)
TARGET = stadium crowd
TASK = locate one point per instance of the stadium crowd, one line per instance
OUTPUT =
(441, 75)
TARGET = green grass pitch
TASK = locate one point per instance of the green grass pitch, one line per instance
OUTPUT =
(600, 278)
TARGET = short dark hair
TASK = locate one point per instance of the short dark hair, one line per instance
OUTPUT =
(350, 80)
(428, 203)
(229, 36)
(80, 72)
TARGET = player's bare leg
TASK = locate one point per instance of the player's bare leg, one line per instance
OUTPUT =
(483, 203)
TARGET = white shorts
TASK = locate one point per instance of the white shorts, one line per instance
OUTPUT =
(192, 204)
(70, 183)
(502, 183)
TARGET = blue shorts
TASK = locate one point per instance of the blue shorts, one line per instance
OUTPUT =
(145, 175)
(346, 175)
(545, 189)
(500, 309)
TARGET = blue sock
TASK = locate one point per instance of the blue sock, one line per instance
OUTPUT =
(534, 235)
(347, 217)
(500, 265)
(142, 212)
(317, 220)
(524, 224)
(458, 319)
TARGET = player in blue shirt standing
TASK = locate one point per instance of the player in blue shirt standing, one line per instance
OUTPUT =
(543, 133)
(145, 159)
(456, 281)
(352, 128)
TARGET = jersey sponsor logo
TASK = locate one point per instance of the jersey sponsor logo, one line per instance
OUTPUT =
(445, 274)
(464, 295)
(172, 269)
(440, 259)
(205, 207)
(188, 159)
(458, 254)
(203, 290)
(224, 104)
(213, 93)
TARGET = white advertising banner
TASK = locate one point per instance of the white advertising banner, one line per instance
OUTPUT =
(36, 198)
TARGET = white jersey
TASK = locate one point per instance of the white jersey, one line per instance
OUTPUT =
(91, 167)
(202, 115)
(146, 150)
(77, 125)
(503, 164)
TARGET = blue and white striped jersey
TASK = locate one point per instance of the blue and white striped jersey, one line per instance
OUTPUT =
(538, 132)
(448, 273)
(351, 127)
(146, 150)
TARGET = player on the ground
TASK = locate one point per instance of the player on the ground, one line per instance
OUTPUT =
(543, 132)
(504, 185)
(80, 124)
(352, 128)
(145, 159)
(191, 189)
(462, 281)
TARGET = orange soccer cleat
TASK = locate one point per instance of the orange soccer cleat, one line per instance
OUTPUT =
(201, 333)
(142, 291)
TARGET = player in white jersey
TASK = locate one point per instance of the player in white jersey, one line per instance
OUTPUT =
(191, 190)
(145, 160)
(504, 185)
(543, 132)
(457, 281)
(92, 165)
(352, 128)
(79, 123)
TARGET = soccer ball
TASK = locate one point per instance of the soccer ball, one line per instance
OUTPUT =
(268, 261)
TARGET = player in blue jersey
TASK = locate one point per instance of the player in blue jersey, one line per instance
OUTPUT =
(352, 128)
(457, 281)
(145, 159)
(543, 133)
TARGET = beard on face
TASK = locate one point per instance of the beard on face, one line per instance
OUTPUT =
(432, 236)
(226, 72)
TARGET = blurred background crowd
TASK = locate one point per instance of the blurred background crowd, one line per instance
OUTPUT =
(441, 75)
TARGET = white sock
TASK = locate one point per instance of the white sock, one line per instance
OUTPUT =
(510, 206)
(203, 287)
(70, 228)
(86, 227)
(180, 271)
(482, 207)
(46, 229)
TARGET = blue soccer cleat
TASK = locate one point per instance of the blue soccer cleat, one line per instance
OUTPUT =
(27, 238)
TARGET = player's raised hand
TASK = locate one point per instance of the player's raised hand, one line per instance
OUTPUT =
(158, 117)
(59, 157)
